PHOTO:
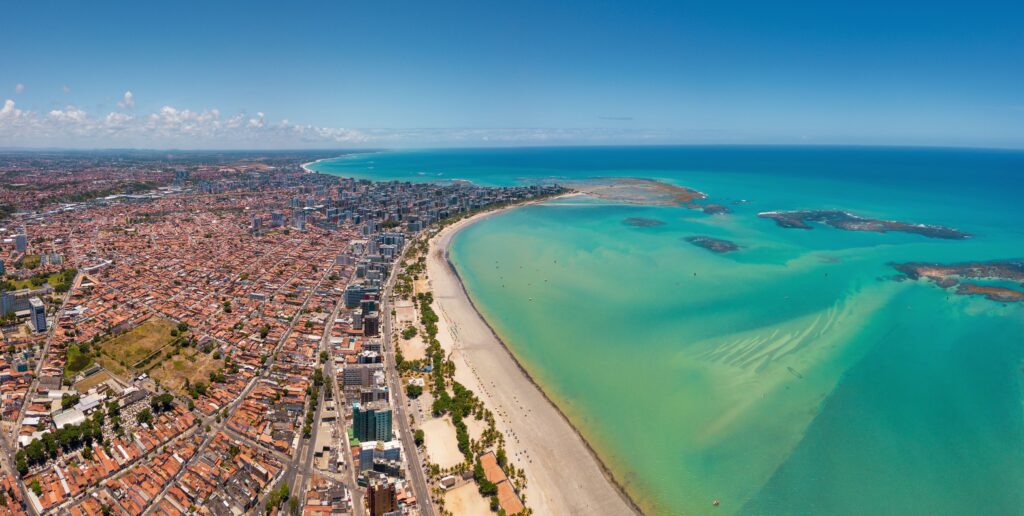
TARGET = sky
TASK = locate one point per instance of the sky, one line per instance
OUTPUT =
(379, 73)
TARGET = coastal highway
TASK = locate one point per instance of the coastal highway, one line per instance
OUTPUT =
(400, 416)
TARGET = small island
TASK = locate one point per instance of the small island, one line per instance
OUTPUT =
(953, 276)
(715, 245)
(846, 221)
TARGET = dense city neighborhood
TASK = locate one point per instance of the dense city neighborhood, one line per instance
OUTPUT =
(231, 334)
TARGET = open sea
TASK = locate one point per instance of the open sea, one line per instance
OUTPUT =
(793, 376)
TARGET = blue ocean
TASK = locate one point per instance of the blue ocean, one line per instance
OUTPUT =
(800, 373)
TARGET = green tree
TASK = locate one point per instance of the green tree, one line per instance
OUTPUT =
(69, 400)
(409, 332)
(414, 391)
(502, 458)
(161, 403)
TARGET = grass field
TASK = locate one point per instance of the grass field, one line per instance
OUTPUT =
(113, 366)
(126, 350)
(189, 364)
(76, 361)
(57, 280)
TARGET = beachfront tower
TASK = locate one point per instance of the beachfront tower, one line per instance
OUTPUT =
(371, 422)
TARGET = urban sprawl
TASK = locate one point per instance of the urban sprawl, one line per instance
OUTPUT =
(224, 333)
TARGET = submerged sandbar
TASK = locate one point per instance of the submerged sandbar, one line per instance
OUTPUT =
(715, 245)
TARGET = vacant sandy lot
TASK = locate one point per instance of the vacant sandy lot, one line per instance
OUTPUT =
(442, 445)
(465, 500)
(405, 316)
(405, 313)
(413, 349)
(421, 285)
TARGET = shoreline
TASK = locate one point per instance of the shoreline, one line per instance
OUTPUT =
(305, 166)
(555, 438)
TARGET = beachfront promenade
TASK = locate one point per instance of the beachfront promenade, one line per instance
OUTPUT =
(564, 476)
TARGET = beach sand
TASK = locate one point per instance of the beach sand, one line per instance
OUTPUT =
(563, 475)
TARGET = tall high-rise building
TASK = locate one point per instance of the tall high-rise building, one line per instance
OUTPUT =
(38, 315)
(354, 293)
(371, 422)
(6, 303)
(21, 242)
(371, 324)
(380, 498)
(179, 177)
(2, 269)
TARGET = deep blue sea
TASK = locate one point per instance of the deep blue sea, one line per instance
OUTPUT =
(793, 376)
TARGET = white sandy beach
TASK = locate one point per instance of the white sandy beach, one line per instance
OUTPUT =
(305, 166)
(563, 475)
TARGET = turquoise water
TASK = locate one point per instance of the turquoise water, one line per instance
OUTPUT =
(793, 376)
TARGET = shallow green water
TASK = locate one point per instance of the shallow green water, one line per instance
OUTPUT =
(791, 377)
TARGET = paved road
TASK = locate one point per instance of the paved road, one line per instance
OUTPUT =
(419, 482)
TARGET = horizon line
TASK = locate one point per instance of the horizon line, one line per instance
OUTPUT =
(30, 149)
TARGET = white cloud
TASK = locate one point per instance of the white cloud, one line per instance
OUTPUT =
(116, 120)
(69, 114)
(173, 127)
(8, 111)
(169, 126)
(258, 121)
(18, 88)
(128, 101)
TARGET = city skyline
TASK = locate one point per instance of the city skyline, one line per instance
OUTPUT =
(465, 75)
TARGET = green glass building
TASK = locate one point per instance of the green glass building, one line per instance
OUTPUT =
(371, 422)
